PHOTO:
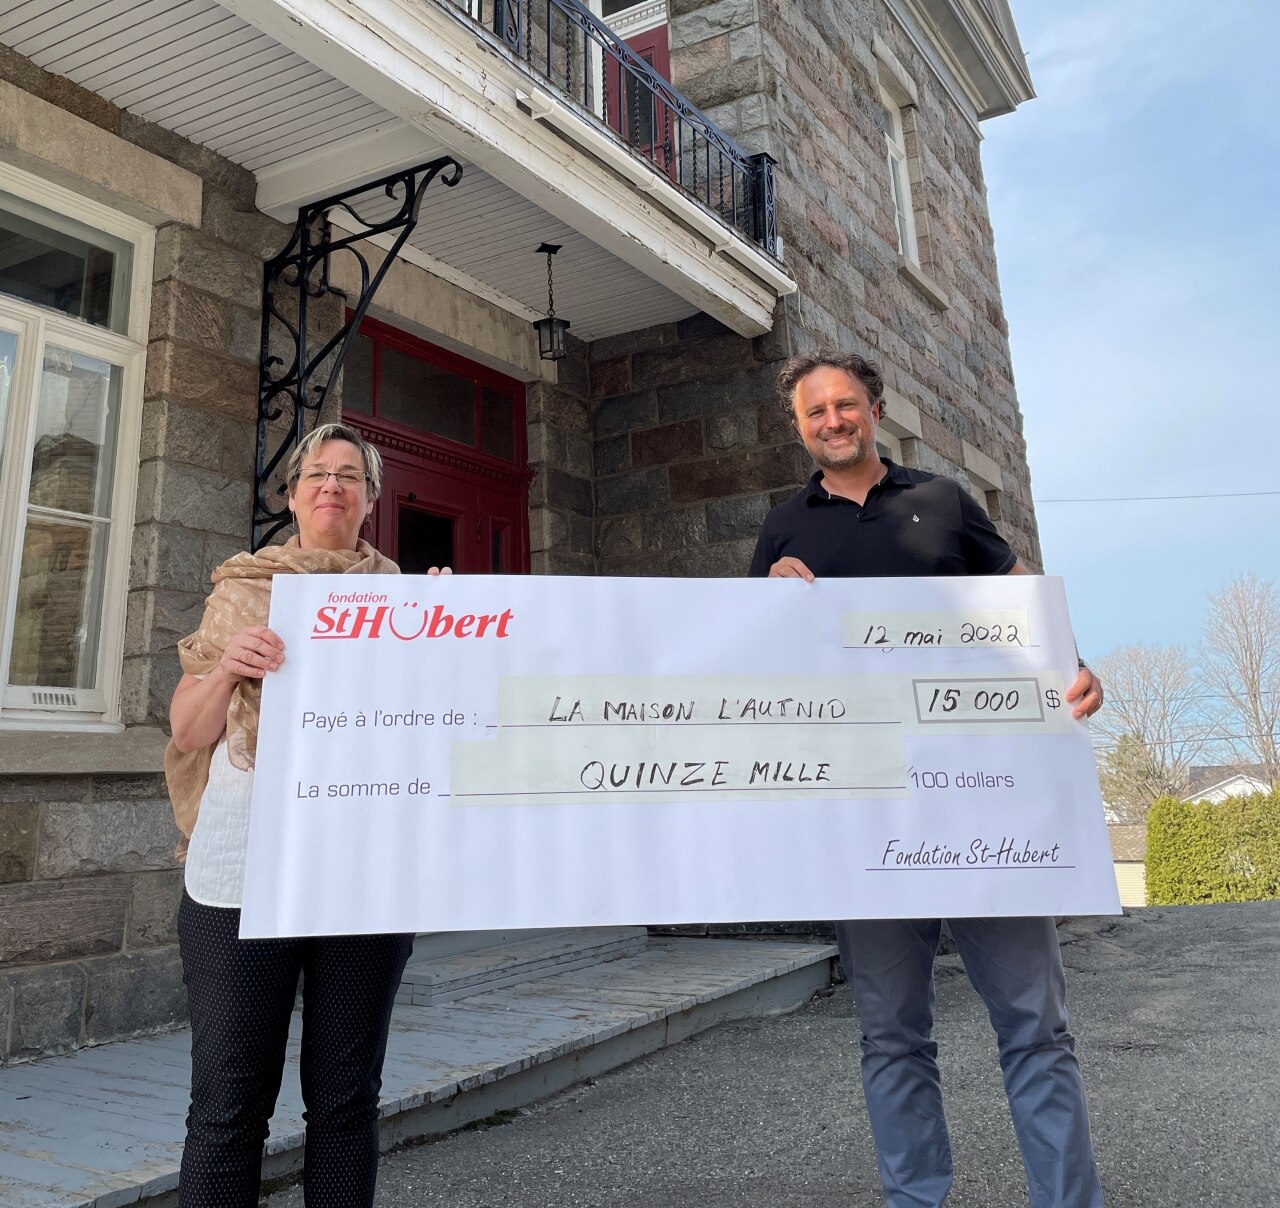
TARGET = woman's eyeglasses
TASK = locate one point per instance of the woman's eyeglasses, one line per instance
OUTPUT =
(317, 478)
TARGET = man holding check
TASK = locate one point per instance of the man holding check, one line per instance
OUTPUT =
(862, 516)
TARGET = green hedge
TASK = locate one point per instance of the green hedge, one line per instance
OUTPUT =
(1205, 852)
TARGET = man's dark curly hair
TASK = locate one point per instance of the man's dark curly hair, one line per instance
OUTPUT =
(804, 363)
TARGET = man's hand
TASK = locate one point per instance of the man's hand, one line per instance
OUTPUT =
(1087, 690)
(790, 568)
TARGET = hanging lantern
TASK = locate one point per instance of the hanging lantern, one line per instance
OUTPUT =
(553, 333)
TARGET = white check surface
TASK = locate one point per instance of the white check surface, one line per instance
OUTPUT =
(501, 751)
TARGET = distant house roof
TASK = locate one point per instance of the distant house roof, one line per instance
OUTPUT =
(1210, 775)
(1236, 784)
(1128, 841)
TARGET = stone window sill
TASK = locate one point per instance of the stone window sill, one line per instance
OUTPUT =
(137, 751)
(925, 285)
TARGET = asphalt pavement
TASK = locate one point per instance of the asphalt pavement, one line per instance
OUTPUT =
(1177, 1017)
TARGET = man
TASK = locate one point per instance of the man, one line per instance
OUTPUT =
(861, 515)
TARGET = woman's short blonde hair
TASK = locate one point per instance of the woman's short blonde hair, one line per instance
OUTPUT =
(325, 432)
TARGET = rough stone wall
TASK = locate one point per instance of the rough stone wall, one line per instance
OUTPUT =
(89, 893)
(561, 495)
(195, 479)
(690, 448)
(89, 886)
(800, 81)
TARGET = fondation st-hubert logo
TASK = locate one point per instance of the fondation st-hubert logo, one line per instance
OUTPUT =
(353, 615)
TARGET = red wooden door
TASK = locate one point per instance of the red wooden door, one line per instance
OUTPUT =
(638, 113)
(452, 437)
(422, 519)
(428, 516)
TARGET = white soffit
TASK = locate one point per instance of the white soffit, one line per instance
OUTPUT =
(490, 233)
(194, 68)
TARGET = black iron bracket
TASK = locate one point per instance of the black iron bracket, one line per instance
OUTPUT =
(296, 385)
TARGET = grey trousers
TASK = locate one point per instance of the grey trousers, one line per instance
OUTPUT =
(1015, 965)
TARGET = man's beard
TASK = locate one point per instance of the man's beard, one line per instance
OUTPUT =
(855, 454)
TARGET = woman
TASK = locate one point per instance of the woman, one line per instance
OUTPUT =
(242, 991)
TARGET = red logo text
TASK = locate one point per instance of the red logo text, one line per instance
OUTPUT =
(407, 622)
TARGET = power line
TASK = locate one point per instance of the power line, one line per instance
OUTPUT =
(1186, 740)
(1159, 498)
(1164, 700)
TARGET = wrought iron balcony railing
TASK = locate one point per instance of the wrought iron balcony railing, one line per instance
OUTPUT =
(565, 45)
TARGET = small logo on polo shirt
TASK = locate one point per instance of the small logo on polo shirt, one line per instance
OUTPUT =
(915, 518)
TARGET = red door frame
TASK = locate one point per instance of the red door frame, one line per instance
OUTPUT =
(483, 494)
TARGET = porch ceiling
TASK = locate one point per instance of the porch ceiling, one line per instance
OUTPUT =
(487, 235)
(204, 73)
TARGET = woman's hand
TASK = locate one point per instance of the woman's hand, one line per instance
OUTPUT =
(198, 713)
(440, 570)
(251, 653)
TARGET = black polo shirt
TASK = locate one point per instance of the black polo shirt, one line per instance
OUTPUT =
(913, 523)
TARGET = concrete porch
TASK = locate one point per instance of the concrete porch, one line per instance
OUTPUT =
(513, 1023)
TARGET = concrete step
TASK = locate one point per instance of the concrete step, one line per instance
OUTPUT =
(103, 1127)
(433, 976)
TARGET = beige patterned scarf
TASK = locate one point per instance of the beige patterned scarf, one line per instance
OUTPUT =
(241, 597)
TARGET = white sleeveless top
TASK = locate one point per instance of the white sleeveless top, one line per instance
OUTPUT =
(216, 854)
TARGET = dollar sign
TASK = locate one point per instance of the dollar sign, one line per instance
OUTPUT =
(1052, 699)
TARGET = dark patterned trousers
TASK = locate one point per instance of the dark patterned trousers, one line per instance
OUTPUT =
(242, 995)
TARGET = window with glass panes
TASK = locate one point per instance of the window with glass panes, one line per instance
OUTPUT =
(899, 174)
(391, 376)
(74, 279)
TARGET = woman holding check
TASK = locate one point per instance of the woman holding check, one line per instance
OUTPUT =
(242, 992)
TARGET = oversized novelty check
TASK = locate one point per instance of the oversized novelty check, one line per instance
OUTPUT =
(502, 752)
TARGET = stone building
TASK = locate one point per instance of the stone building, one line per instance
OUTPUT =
(728, 182)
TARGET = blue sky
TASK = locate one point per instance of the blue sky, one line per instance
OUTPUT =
(1136, 206)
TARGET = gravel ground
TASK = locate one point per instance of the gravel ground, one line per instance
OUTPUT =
(1177, 1017)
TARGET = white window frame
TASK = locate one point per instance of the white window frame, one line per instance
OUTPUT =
(901, 423)
(888, 443)
(78, 709)
(978, 493)
(899, 161)
(638, 18)
(981, 490)
(986, 481)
